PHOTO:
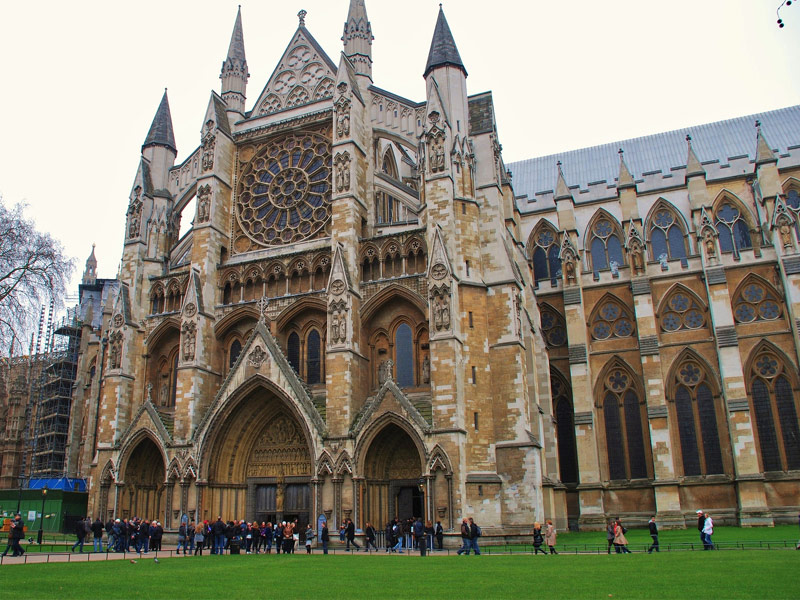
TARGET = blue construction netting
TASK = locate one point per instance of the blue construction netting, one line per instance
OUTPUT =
(68, 484)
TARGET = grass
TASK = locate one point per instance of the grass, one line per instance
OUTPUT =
(733, 574)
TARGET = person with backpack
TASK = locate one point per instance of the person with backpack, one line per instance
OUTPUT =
(538, 539)
(466, 544)
(439, 532)
(419, 535)
(474, 533)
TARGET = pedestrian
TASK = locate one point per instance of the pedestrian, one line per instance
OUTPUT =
(620, 541)
(199, 538)
(350, 534)
(708, 529)
(654, 535)
(419, 535)
(191, 530)
(369, 536)
(182, 538)
(474, 534)
(97, 532)
(15, 533)
(397, 536)
(429, 531)
(80, 533)
(279, 537)
(538, 539)
(268, 534)
(343, 531)
(295, 534)
(324, 537)
(701, 521)
(218, 530)
(109, 526)
(465, 538)
(550, 536)
(288, 537)
(439, 533)
(309, 538)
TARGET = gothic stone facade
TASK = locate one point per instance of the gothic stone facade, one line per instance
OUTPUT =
(360, 322)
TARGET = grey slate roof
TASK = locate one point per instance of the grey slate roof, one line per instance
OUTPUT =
(443, 47)
(160, 133)
(712, 142)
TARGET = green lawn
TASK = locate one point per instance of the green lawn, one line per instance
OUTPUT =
(732, 574)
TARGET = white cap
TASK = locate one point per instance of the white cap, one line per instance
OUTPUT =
(699, 512)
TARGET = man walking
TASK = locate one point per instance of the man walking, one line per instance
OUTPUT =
(15, 534)
(708, 529)
(80, 532)
(466, 544)
(701, 521)
(218, 530)
(439, 532)
(654, 535)
(474, 534)
(324, 537)
(350, 534)
(97, 531)
(419, 535)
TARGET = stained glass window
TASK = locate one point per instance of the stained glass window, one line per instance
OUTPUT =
(565, 428)
(404, 356)
(682, 312)
(772, 394)
(554, 328)
(293, 351)
(611, 321)
(546, 263)
(666, 236)
(605, 246)
(625, 439)
(235, 351)
(313, 357)
(734, 233)
(755, 302)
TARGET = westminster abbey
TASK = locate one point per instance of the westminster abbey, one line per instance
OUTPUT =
(373, 315)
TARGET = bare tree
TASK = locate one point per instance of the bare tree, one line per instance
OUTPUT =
(33, 270)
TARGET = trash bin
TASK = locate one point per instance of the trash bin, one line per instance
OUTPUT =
(235, 548)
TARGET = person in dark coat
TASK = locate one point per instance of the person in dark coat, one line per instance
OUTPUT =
(390, 536)
(112, 540)
(439, 533)
(419, 535)
(654, 535)
(144, 536)
(465, 538)
(80, 533)
(15, 534)
(350, 534)
(610, 535)
(97, 532)
(538, 539)
(324, 537)
(369, 536)
(218, 532)
(701, 521)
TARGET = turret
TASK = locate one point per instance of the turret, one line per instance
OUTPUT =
(159, 147)
(234, 70)
(357, 38)
(90, 273)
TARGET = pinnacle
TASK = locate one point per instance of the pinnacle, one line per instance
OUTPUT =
(443, 50)
(236, 47)
(161, 133)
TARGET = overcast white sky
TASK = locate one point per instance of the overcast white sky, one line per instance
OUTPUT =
(84, 80)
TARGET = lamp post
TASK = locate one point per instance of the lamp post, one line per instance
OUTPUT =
(41, 523)
(20, 480)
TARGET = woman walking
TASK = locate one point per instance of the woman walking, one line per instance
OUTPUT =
(610, 535)
(620, 541)
(199, 536)
(550, 536)
(538, 539)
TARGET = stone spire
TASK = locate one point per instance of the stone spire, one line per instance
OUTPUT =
(625, 179)
(443, 50)
(161, 133)
(234, 73)
(90, 273)
(357, 38)
(764, 153)
(562, 189)
(693, 166)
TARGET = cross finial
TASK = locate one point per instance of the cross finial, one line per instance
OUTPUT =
(558, 164)
(262, 305)
(758, 123)
(302, 16)
(620, 152)
(688, 138)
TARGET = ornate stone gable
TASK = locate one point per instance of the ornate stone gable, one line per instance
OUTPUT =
(304, 75)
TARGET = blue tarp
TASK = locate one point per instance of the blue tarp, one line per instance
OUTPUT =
(68, 484)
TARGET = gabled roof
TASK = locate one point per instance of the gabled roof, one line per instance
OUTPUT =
(161, 133)
(712, 142)
(443, 50)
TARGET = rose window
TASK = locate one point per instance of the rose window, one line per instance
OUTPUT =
(611, 322)
(285, 190)
(756, 303)
(682, 313)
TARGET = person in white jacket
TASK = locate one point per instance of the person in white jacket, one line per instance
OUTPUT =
(708, 529)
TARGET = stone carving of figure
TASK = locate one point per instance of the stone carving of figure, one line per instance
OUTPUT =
(426, 369)
(203, 203)
(385, 371)
(708, 241)
(342, 327)
(335, 328)
(343, 120)
(189, 340)
(209, 141)
(441, 314)
(135, 220)
(163, 392)
(569, 269)
(342, 162)
(637, 256)
(115, 350)
(437, 153)
(786, 234)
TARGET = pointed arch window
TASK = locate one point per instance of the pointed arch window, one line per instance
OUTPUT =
(313, 353)
(697, 421)
(546, 263)
(554, 329)
(755, 302)
(734, 233)
(404, 356)
(682, 311)
(667, 237)
(775, 411)
(233, 354)
(792, 200)
(622, 415)
(293, 351)
(605, 246)
(565, 428)
(612, 320)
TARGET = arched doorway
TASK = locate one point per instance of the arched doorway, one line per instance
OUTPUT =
(260, 464)
(143, 495)
(393, 470)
